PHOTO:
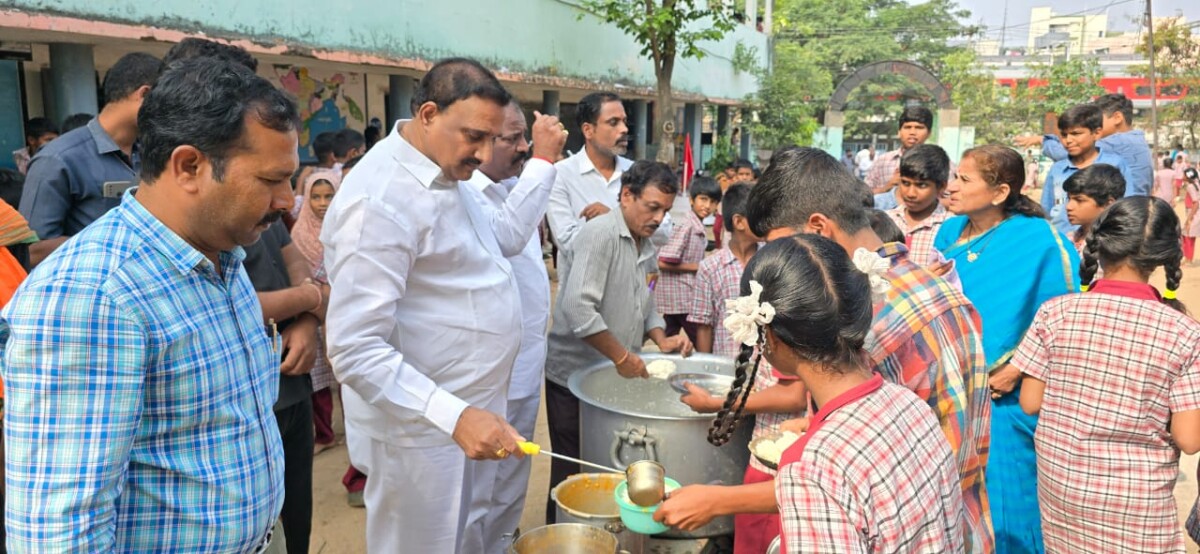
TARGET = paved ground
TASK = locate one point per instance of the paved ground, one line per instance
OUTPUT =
(339, 529)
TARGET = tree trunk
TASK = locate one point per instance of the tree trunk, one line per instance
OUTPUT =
(664, 111)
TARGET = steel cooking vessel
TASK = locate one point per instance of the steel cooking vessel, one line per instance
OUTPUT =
(626, 420)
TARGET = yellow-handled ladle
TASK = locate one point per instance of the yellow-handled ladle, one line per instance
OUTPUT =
(645, 479)
(533, 449)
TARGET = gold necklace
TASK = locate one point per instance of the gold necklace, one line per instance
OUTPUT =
(973, 255)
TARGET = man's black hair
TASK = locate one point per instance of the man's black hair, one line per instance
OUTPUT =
(351, 163)
(322, 145)
(1113, 103)
(588, 109)
(1100, 182)
(189, 48)
(346, 140)
(734, 203)
(75, 121)
(455, 79)
(133, 71)
(926, 163)
(706, 186)
(1087, 116)
(916, 114)
(800, 182)
(205, 102)
(371, 135)
(645, 173)
(883, 226)
(742, 163)
(35, 127)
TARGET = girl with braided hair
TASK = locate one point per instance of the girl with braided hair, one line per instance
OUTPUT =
(1115, 376)
(873, 473)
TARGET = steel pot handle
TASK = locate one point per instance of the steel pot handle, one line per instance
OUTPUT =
(634, 437)
(614, 527)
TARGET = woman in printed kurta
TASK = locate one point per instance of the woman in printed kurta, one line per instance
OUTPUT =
(1115, 374)
(318, 191)
(874, 472)
(1011, 261)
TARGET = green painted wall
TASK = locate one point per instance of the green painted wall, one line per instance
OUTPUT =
(536, 36)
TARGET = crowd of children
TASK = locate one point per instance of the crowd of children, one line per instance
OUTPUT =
(1113, 373)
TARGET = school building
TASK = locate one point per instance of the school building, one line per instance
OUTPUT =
(349, 63)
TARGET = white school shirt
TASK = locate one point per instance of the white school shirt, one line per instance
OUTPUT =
(424, 315)
(533, 286)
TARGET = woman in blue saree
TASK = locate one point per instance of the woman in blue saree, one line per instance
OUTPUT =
(1010, 260)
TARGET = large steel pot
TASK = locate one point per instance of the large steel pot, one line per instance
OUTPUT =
(587, 498)
(565, 538)
(626, 420)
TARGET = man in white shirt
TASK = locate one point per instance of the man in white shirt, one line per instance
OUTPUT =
(589, 183)
(424, 319)
(496, 179)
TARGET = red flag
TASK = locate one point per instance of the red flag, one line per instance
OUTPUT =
(689, 166)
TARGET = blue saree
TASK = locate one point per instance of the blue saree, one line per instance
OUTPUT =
(1007, 273)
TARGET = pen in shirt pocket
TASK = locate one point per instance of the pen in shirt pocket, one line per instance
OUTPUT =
(275, 339)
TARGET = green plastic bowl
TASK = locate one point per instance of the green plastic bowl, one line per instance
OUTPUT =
(640, 519)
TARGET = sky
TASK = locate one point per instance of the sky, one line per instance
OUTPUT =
(992, 12)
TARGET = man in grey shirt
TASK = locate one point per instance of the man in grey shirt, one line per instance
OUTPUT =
(605, 310)
(80, 176)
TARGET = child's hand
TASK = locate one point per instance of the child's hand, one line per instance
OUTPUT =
(798, 426)
(700, 400)
(679, 343)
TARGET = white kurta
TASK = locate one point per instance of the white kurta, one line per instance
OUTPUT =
(423, 321)
(525, 386)
(578, 185)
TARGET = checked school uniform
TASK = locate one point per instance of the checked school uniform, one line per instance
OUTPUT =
(919, 238)
(873, 474)
(675, 290)
(719, 279)
(1117, 362)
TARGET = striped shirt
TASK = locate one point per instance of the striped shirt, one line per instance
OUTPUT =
(602, 289)
(139, 389)
(926, 337)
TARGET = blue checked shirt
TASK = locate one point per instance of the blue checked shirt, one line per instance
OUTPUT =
(139, 388)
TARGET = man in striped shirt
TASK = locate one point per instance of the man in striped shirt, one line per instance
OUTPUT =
(139, 380)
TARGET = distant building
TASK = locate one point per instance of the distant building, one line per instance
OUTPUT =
(1064, 34)
(349, 63)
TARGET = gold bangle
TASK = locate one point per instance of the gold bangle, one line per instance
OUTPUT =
(623, 358)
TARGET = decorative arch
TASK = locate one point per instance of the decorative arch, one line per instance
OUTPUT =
(917, 73)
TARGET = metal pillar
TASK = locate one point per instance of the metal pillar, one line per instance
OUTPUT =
(640, 129)
(550, 105)
(72, 81)
(722, 122)
(829, 136)
(400, 94)
(693, 119)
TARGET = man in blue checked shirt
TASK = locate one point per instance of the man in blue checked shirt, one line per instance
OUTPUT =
(139, 380)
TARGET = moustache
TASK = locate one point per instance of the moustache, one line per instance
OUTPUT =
(271, 218)
(522, 157)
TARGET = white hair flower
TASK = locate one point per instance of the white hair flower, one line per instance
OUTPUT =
(876, 267)
(746, 315)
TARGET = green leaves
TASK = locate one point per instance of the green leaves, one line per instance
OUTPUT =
(664, 28)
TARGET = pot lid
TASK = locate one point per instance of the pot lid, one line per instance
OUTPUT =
(601, 386)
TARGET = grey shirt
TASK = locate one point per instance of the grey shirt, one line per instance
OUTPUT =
(64, 190)
(602, 289)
